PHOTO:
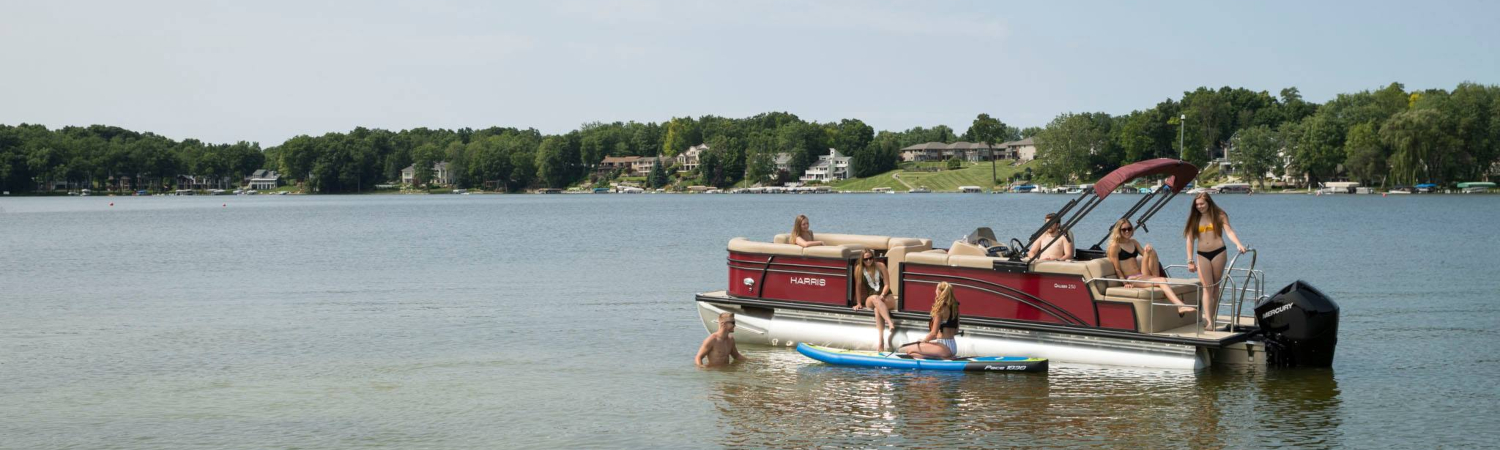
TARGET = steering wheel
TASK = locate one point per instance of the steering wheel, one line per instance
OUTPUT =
(1017, 248)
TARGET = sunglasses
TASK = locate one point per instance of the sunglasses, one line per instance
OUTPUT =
(730, 322)
(1122, 230)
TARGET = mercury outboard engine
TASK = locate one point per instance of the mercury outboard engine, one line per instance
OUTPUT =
(1300, 326)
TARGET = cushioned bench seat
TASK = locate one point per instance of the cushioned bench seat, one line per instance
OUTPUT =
(896, 249)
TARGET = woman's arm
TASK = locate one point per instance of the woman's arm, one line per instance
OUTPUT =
(1192, 263)
(932, 328)
(1229, 231)
(885, 288)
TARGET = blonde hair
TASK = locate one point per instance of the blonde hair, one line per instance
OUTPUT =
(1114, 232)
(799, 229)
(944, 301)
(860, 288)
(1215, 216)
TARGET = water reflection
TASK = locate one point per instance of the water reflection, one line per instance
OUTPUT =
(785, 400)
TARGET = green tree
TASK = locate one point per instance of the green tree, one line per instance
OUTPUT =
(551, 164)
(1064, 147)
(1366, 156)
(1416, 140)
(1255, 152)
(988, 129)
(658, 176)
(1319, 149)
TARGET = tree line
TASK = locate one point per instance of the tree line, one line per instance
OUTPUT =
(1382, 137)
(1388, 135)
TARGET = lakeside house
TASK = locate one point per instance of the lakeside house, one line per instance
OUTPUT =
(643, 165)
(938, 151)
(263, 180)
(831, 167)
(440, 174)
(688, 160)
(613, 163)
(783, 162)
(1021, 151)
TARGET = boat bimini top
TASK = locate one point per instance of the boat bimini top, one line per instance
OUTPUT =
(1179, 175)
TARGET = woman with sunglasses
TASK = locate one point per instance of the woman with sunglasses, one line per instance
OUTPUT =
(1138, 264)
(872, 291)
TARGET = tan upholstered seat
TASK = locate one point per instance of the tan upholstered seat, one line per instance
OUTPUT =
(740, 244)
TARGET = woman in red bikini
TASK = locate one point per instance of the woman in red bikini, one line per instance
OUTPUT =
(1207, 225)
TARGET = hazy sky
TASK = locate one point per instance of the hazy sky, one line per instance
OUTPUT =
(268, 70)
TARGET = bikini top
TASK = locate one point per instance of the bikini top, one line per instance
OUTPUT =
(1206, 228)
(1131, 255)
(952, 322)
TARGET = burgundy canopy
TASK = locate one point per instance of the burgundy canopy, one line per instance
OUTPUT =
(1180, 173)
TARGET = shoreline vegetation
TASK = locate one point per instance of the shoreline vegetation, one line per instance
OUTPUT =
(1386, 139)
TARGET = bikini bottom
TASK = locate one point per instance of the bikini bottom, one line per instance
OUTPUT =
(1212, 253)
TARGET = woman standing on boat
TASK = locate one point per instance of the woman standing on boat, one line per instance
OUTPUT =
(939, 342)
(1207, 225)
(871, 291)
(802, 235)
(1139, 264)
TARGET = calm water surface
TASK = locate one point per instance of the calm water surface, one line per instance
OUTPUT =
(568, 321)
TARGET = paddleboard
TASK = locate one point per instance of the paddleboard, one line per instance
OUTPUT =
(861, 358)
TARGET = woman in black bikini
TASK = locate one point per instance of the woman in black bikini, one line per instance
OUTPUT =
(939, 343)
(1207, 225)
(1138, 264)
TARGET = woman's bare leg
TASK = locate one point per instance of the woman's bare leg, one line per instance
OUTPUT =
(878, 307)
(1218, 265)
(1149, 264)
(924, 350)
(1205, 300)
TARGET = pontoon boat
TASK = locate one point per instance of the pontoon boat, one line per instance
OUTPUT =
(1068, 312)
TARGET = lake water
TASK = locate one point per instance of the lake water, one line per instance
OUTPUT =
(516, 321)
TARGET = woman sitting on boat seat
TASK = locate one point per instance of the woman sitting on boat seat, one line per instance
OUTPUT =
(871, 291)
(802, 235)
(1139, 264)
(1060, 251)
(1207, 225)
(939, 342)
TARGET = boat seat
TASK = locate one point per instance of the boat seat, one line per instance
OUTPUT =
(964, 248)
(741, 244)
(881, 243)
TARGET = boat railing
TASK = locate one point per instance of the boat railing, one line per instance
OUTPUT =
(1236, 285)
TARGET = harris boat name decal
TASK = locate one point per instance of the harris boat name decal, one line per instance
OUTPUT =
(810, 281)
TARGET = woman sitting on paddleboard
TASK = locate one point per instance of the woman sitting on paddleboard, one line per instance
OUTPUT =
(939, 343)
(871, 291)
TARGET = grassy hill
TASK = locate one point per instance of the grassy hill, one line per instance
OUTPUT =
(973, 174)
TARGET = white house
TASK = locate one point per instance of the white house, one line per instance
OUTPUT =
(642, 167)
(264, 180)
(1022, 150)
(687, 161)
(440, 174)
(831, 167)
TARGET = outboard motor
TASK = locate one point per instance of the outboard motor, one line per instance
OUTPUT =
(1300, 326)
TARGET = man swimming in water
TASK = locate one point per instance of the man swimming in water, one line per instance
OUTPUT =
(719, 346)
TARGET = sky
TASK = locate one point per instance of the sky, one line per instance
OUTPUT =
(265, 71)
